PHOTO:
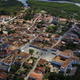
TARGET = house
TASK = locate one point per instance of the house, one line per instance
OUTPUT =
(61, 63)
(40, 70)
(35, 76)
(4, 18)
(11, 47)
(3, 76)
(64, 60)
(62, 19)
(66, 53)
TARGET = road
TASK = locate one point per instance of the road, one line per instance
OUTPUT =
(27, 77)
(10, 20)
(24, 61)
(73, 26)
(12, 61)
(6, 22)
(59, 40)
(5, 58)
(34, 21)
(27, 44)
(61, 37)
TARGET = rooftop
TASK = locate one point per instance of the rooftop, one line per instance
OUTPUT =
(3, 75)
(37, 76)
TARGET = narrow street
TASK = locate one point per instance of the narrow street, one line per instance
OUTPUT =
(27, 77)
(59, 40)
(24, 61)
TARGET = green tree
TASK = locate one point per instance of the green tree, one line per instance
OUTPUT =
(29, 14)
(40, 24)
(31, 51)
(51, 29)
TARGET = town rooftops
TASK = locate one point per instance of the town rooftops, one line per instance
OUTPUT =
(42, 61)
(12, 47)
(3, 16)
(23, 54)
(64, 56)
(66, 53)
(62, 61)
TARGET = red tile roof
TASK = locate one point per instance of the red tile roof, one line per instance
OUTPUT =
(3, 75)
(37, 76)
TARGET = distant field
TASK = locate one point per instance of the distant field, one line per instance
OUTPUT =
(68, 0)
(9, 6)
(56, 9)
(74, 0)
